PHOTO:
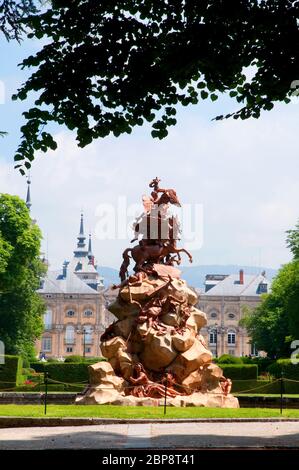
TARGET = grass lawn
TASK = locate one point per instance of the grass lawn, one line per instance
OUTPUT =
(106, 411)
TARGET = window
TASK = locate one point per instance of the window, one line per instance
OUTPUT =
(263, 288)
(48, 296)
(213, 315)
(47, 344)
(88, 313)
(70, 313)
(87, 349)
(253, 350)
(231, 315)
(70, 334)
(213, 337)
(48, 320)
(231, 352)
(87, 332)
(231, 337)
(69, 349)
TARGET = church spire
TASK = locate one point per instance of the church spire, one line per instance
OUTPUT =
(81, 246)
(28, 197)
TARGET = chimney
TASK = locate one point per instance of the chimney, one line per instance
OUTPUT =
(241, 276)
(64, 268)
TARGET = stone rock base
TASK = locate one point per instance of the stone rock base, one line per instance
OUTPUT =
(209, 400)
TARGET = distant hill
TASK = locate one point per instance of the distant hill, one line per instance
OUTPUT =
(194, 275)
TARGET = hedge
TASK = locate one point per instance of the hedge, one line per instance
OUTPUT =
(285, 366)
(67, 372)
(239, 371)
(11, 372)
(262, 362)
(228, 359)
(264, 387)
(38, 366)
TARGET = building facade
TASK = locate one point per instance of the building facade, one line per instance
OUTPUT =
(225, 300)
(76, 301)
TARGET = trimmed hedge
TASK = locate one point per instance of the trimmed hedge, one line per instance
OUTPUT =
(239, 371)
(38, 366)
(289, 370)
(74, 359)
(68, 372)
(11, 372)
(228, 359)
(264, 387)
(262, 362)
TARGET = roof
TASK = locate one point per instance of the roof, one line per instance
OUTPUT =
(82, 265)
(230, 286)
(55, 283)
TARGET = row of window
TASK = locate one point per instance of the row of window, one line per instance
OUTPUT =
(72, 313)
(48, 317)
(231, 337)
(47, 346)
(214, 315)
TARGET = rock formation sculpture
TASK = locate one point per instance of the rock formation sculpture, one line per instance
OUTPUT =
(154, 348)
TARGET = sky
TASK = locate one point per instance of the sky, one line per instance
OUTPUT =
(239, 179)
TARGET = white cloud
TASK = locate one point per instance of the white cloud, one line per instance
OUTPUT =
(244, 174)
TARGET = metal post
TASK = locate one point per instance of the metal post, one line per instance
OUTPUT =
(83, 343)
(216, 337)
(281, 392)
(165, 393)
(46, 391)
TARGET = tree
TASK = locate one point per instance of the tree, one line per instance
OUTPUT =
(11, 14)
(21, 308)
(275, 322)
(107, 67)
(293, 241)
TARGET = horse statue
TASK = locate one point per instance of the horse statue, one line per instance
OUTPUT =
(151, 254)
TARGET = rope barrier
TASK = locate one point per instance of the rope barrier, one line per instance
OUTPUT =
(291, 380)
(259, 387)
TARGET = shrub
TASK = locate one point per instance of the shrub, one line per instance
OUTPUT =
(26, 363)
(67, 372)
(239, 371)
(38, 366)
(263, 387)
(11, 372)
(289, 370)
(254, 386)
(74, 359)
(228, 359)
(262, 363)
(94, 360)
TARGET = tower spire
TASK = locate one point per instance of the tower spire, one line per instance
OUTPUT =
(89, 246)
(81, 246)
(81, 232)
(90, 254)
(28, 197)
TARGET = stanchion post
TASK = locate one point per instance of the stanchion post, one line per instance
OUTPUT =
(165, 394)
(281, 392)
(46, 391)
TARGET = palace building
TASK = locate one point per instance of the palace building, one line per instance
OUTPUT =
(76, 300)
(76, 303)
(225, 300)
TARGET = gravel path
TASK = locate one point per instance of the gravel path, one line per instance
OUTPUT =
(151, 435)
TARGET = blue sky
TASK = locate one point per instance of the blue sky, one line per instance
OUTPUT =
(244, 174)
